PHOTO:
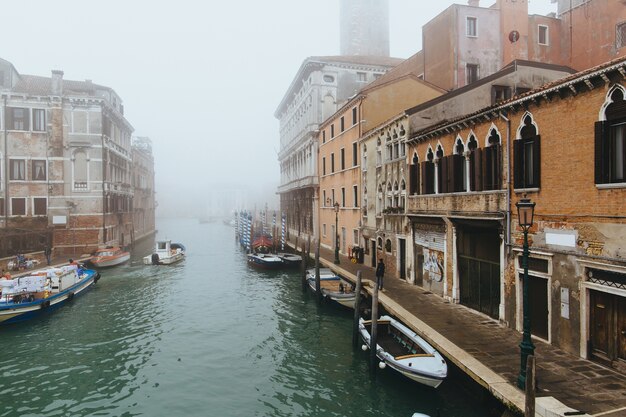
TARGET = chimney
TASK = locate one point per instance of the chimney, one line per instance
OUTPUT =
(57, 83)
(473, 3)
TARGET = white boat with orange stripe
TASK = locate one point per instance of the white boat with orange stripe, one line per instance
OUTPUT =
(404, 351)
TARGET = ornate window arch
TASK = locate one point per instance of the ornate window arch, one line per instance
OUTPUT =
(526, 152)
(414, 175)
(610, 138)
(493, 160)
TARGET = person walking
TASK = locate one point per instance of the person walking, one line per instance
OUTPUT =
(48, 252)
(380, 273)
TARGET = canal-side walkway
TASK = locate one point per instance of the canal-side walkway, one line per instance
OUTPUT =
(489, 352)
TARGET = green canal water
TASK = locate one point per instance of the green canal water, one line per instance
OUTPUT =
(208, 337)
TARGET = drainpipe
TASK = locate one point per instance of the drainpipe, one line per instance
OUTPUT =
(508, 182)
(6, 166)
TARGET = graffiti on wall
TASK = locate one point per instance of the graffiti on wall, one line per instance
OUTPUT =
(433, 264)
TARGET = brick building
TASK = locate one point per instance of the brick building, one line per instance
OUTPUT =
(574, 171)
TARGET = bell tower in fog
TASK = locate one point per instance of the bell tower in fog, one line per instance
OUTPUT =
(364, 27)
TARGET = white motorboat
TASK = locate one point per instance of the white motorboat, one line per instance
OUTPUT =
(332, 287)
(165, 253)
(404, 351)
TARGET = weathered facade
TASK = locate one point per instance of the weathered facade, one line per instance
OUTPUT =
(66, 159)
(476, 167)
(322, 85)
(144, 205)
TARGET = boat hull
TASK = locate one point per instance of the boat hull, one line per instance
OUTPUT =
(329, 283)
(427, 368)
(18, 312)
(271, 262)
(167, 260)
(107, 262)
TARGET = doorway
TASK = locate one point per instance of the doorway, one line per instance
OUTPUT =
(538, 293)
(402, 249)
(373, 253)
(607, 326)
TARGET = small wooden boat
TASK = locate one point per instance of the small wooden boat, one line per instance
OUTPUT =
(109, 256)
(42, 291)
(262, 244)
(332, 287)
(403, 350)
(166, 253)
(265, 261)
(290, 259)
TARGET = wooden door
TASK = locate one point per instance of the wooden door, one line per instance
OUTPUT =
(538, 296)
(373, 253)
(600, 324)
(402, 250)
(621, 330)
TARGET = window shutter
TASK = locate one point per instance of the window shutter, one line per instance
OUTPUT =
(442, 175)
(537, 161)
(477, 171)
(600, 167)
(497, 161)
(518, 155)
(414, 179)
(423, 166)
(485, 172)
(459, 167)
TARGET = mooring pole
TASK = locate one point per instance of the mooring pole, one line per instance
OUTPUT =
(318, 284)
(357, 311)
(374, 332)
(530, 387)
(303, 269)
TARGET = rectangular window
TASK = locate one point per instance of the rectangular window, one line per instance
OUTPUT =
(355, 195)
(500, 93)
(543, 35)
(610, 152)
(324, 198)
(324, 165)
(343, 197)
(332, 162)
(39, 120)
(324, 229)
(471, 72)
(343, 159)
(526, 154)
(323, 136)
(39, 170)
(620, 35)
(332, 131)
(18, 118)
(40, 206)
(354, 116)
(333, 196)
(470, 27)
(361, 77)
(17, 169)
(342, 124)
(355, 237)
(18, 206)
(1, 206)
(354, 154)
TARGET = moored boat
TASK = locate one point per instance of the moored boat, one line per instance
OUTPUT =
(42, 291)
(109, 256)
(404, 351)
(265, 261)
(290, 259)
(165, 253)
(332, 287)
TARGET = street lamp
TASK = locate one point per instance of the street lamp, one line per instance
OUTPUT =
(525, 214)
(336, 233)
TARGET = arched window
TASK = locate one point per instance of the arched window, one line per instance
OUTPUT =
(440, 167)
(526, 153)
(389, 196)
(379, 243)
(428, 173)
(379, 200)
(457, 179)
(396, 195)
(402, 194)
(379, 152)
(388, 246)
(610, 139)
(493, 171)
(414, 175)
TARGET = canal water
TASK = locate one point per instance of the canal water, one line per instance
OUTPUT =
(207, 337)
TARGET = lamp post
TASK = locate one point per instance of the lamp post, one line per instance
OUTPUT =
(336, 233)
(525, 214)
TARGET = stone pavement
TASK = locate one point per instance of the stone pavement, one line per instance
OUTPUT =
(489, 353)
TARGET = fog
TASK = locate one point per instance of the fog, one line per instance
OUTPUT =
(202, 79)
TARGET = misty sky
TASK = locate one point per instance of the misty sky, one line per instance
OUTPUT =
(202, 79)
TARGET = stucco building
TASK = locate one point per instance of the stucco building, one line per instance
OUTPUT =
(66, 162)
(144, 204)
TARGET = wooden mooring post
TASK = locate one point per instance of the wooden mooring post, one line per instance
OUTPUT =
(530, 387)
(318, 284)
(374, 332)
(303, 269)
(357, 311)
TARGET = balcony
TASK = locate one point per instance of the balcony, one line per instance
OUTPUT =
(469, 204)
(81, 186)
